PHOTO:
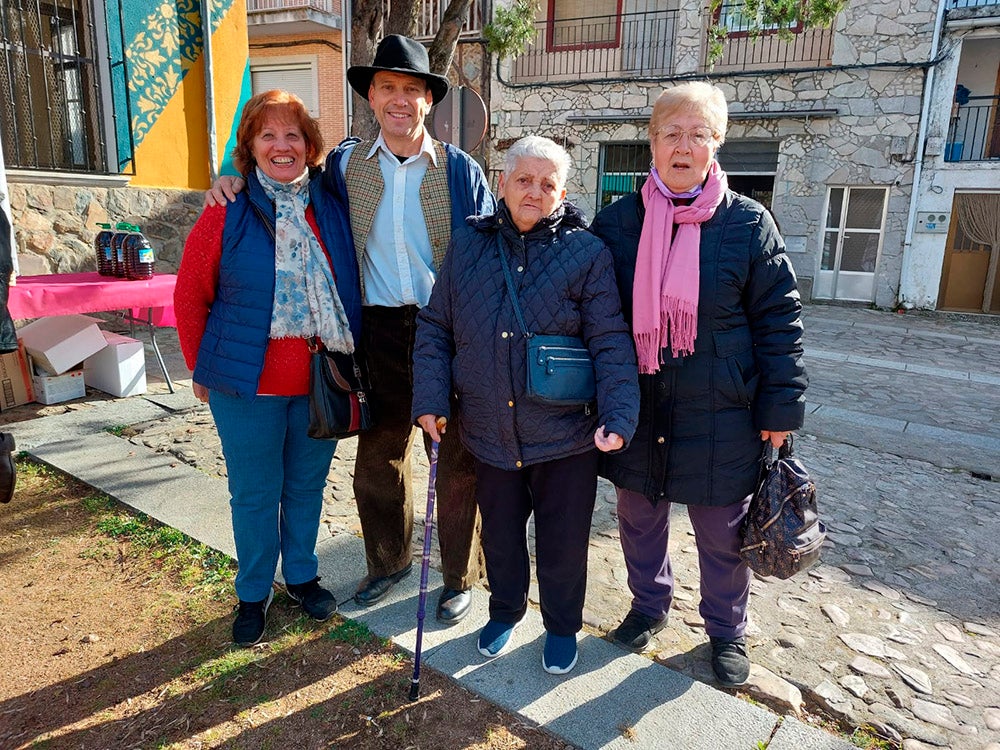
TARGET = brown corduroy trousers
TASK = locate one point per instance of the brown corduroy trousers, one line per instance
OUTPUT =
(383, 485)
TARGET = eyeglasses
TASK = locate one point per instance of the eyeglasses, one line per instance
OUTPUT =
(670, 136)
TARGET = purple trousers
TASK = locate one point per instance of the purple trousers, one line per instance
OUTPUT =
(725, 578)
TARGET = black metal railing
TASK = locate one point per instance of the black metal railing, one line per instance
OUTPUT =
(599, 48)
(971, 3)
(748, 47)
(50, 86)
(974, 134)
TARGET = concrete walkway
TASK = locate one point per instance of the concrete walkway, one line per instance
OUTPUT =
(852, 354)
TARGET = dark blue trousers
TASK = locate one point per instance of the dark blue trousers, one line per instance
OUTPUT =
(560, 494)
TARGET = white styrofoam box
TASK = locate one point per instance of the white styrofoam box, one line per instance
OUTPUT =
(54, 389)
(119, 368)
(59, 343)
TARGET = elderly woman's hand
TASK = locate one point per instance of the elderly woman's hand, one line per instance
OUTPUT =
(776, 438)
(200, 392)
(607, 441)
(433, 425)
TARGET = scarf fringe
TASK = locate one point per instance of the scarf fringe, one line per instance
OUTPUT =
(680, 318)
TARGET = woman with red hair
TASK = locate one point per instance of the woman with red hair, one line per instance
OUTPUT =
(259, 276)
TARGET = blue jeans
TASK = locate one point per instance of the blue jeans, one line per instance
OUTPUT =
(277, 474)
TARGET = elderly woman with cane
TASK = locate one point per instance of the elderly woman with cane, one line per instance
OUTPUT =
(527, 270)
(711, 298)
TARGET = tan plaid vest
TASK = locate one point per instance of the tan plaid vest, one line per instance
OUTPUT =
(365, 189)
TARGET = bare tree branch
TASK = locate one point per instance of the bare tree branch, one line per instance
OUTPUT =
(442, 50)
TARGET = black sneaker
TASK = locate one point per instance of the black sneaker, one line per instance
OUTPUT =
(248, 628)
(637, 630)
(317, 602)
(730, 662)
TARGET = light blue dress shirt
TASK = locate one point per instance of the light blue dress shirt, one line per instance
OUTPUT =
(398, 266)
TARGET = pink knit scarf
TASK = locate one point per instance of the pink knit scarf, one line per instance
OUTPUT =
(665, 290)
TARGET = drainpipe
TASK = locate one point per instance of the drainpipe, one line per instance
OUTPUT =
(206, 33)
(348, 43)
(918, 162)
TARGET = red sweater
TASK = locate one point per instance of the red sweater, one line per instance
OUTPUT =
(286, 362)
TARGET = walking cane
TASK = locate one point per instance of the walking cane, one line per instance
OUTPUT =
(425, 565)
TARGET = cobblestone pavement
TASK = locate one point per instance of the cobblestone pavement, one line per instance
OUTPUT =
(898, 628)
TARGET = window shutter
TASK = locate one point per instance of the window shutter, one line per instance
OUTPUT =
(298, 79)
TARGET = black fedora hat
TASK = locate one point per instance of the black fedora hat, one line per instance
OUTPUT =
(398, 54)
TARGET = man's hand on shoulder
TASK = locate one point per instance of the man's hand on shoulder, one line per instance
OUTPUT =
(224, 190)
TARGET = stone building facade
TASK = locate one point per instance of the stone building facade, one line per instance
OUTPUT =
(823, 128)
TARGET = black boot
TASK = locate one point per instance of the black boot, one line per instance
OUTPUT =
(8, 471)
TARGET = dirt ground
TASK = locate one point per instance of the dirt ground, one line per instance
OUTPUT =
(115, 633)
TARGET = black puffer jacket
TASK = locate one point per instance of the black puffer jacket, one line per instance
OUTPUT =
(468, 340)
(8, 336)
(698, 440)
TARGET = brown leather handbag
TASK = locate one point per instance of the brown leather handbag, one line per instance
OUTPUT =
(782, 534)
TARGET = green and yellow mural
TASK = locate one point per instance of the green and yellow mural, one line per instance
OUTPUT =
(159, 77)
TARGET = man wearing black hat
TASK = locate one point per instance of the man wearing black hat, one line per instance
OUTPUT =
(406, 193)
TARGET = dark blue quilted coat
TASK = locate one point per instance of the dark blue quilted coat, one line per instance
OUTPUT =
(469, 342)
(698, 439)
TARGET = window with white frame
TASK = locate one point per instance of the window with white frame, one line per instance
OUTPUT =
(294, 74)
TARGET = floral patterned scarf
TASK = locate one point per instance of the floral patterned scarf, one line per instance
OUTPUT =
(306, 302)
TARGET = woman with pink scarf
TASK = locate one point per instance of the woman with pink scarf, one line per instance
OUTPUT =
(711, 299)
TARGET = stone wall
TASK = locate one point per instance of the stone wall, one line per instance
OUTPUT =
(55, 225)
(868, 141)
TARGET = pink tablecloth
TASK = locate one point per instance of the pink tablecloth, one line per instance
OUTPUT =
(69, 293)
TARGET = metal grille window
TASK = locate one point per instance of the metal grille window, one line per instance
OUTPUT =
(49, 106)
(750, 166)
(624, 167)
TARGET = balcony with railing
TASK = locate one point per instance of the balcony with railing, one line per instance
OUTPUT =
(626, 45)
(974, 133)
(972, 10)
(432, 11)
(748, 46)
(293, 16)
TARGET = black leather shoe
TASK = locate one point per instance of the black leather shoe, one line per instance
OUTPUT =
(453, 605)
(373, 589)
(730, 662)
(8, 471)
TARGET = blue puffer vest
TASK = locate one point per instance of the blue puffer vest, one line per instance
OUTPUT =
(232, 350)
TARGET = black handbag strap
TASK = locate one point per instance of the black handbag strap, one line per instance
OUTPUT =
(264, 219)
(510, 288)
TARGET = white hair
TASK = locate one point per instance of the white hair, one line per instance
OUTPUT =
(537, 147)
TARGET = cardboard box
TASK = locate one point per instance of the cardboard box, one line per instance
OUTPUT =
(54, 389)
(59, 343)
(119, 368)
(15, 379)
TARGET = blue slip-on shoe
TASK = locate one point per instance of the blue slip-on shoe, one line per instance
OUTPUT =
(495, 637)
(559, 655)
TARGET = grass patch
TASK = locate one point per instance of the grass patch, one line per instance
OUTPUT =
(350, 632)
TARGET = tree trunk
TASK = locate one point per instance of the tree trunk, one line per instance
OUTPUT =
(442, 49)
(366, 25)
(403, 17)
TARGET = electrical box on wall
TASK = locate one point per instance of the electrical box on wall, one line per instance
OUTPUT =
(933, 221)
